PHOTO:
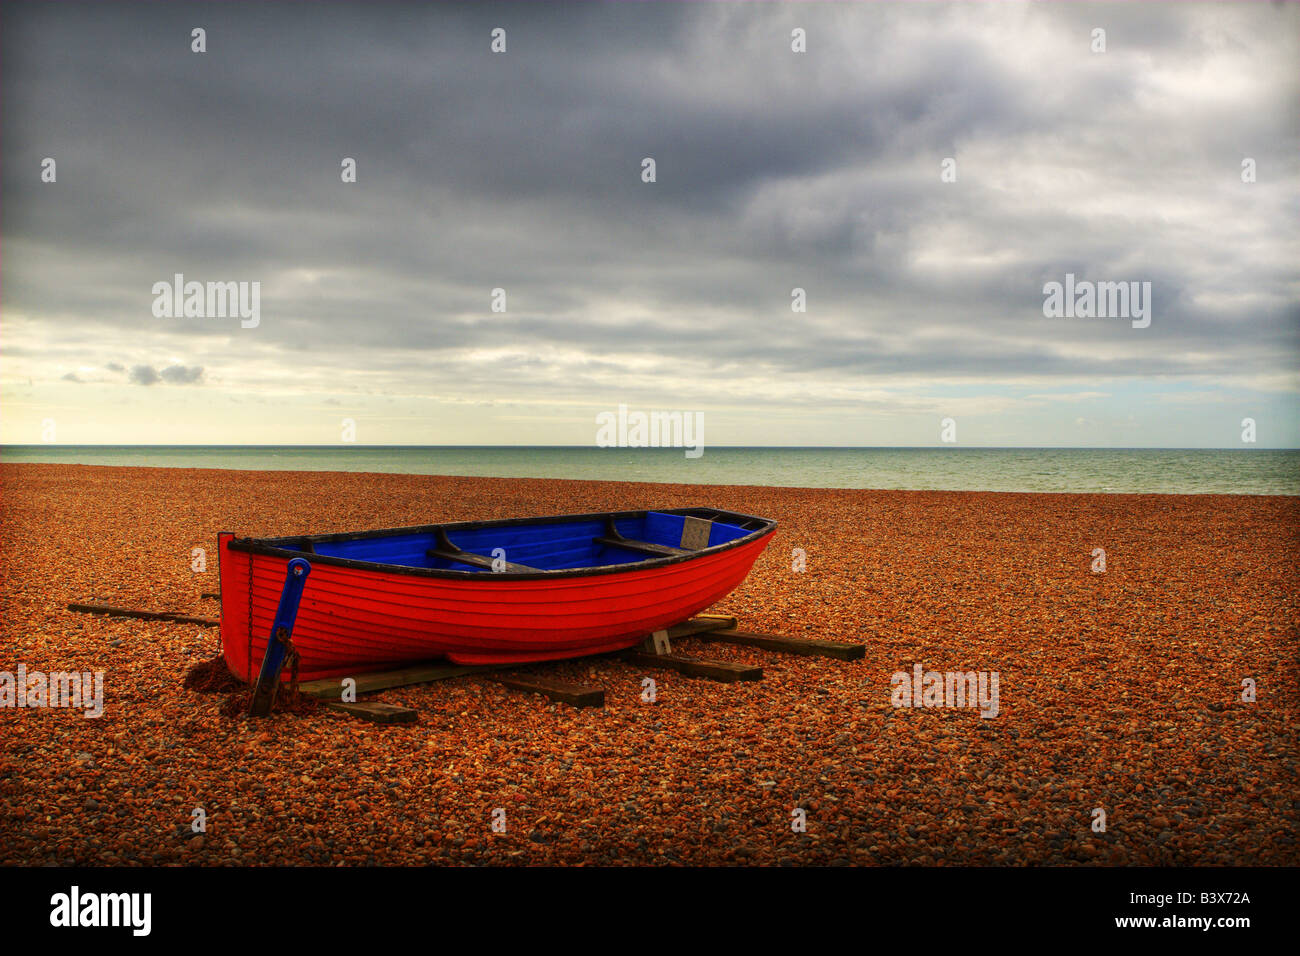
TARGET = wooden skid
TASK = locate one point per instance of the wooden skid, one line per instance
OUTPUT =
(693, 667)
(331, 688)
(789, 645)
(376, 712)
(716, 628)
(729, 619)
(579, 695)
(700, 624)
(143, 615)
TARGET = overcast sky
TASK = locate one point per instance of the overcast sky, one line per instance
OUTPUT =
(774, 170)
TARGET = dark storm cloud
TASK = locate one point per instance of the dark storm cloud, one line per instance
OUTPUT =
(775, 170)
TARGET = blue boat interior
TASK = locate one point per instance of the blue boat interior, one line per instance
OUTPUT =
(549, 546)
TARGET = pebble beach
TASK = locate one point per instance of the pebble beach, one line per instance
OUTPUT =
(1120, 691)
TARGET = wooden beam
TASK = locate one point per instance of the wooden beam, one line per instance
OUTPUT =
(475, 560)
(142, 615)
(579, 695)
(375, 712)
(788, 645)
(331, 688)
(694, 667)
(642, 547)
(657, 643)
(699, 624)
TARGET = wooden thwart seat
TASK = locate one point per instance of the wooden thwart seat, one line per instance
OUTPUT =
(644, 547)
(612, 538)
(475, 560)
(450, 552)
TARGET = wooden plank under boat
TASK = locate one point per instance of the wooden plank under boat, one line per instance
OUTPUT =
(484, 592)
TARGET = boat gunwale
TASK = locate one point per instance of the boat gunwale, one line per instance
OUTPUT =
(271, 547)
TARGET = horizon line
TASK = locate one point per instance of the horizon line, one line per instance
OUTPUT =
(338, 446)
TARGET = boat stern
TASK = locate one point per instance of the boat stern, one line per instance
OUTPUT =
(233, 571)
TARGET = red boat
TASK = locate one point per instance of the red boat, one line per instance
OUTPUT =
(483, 592)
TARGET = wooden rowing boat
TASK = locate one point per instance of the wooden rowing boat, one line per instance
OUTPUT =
(483, 592)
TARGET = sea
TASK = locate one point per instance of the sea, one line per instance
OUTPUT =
(1115, 470)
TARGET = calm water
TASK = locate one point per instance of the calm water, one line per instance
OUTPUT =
(1257, 472)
